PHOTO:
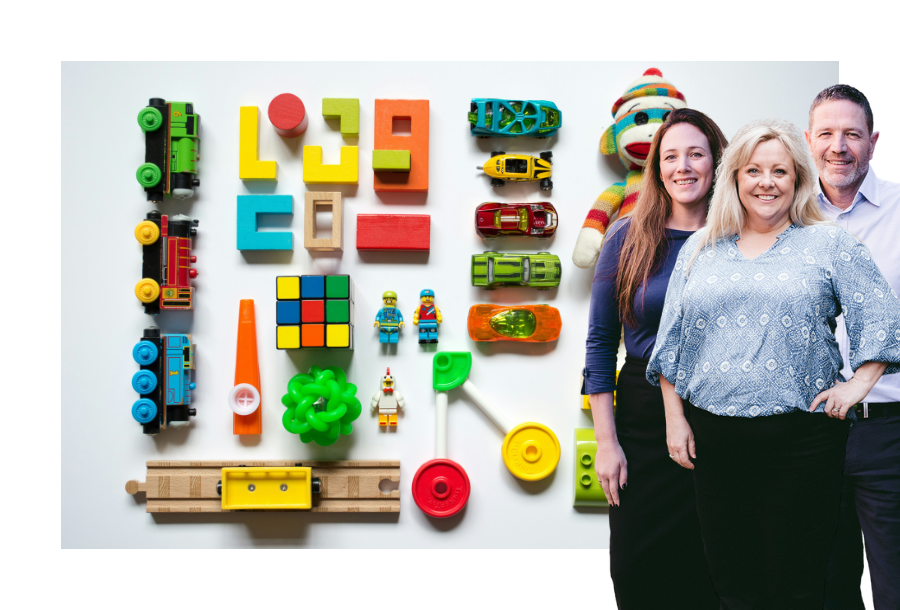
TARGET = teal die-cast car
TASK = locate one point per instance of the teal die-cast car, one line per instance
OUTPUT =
(490, 117)
(492, 270)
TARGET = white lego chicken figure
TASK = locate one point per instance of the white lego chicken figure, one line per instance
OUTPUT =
(387, 400)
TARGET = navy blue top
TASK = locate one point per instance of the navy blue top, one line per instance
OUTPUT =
(604, 323)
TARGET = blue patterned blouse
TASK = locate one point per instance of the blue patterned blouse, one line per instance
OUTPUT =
(755, 337)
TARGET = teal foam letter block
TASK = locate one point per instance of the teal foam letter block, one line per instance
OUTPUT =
(248, 207)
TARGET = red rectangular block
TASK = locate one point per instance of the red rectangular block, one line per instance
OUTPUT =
(393, 232)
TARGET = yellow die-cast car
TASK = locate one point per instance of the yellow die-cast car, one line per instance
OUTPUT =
(519, 168)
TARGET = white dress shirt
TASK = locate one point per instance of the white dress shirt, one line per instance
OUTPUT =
(874, 218)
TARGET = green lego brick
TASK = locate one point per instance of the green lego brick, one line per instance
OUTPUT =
(337, 311)
(337, 286)
(587, 488)
(347, 110)
(390, 161)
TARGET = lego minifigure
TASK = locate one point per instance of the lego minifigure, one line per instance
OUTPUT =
(427, 317)
(389, 319)
(387, 400)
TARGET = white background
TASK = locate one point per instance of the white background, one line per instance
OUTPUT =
(102, 446)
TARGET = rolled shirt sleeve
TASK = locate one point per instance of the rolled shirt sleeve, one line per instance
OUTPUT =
(869, 304)
(669, 340)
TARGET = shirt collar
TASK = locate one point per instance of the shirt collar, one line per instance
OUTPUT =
(868, 191)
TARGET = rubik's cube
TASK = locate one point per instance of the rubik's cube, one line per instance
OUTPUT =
(314, 311)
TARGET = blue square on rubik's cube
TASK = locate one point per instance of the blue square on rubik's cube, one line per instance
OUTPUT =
(288, 312)
(312, 287)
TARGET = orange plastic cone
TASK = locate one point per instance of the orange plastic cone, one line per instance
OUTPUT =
(245, 398)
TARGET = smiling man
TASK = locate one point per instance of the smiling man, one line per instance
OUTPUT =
(842, 141)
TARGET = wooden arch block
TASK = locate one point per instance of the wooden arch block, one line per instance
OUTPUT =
(416, 181)
(316, 173)
(251, 168)
(336, 241)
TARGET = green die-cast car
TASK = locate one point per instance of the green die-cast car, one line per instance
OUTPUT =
(492, 269)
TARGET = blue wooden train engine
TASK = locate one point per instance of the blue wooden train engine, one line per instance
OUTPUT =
(164, 381)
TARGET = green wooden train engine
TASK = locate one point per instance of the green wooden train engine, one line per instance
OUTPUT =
(172, 132)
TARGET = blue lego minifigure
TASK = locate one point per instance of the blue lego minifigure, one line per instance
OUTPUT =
(389, 319)
(427, 317)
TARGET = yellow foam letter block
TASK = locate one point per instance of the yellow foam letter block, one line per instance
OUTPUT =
(316, 173)
(251, 167)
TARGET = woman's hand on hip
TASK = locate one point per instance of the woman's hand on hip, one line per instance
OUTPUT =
(680, 439)
(612, 469)
(841, 397)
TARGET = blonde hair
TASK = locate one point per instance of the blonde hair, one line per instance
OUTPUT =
(726, 212)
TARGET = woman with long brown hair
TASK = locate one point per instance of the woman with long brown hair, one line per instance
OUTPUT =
(656, 551)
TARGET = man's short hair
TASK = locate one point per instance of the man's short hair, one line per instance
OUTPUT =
(844, 92)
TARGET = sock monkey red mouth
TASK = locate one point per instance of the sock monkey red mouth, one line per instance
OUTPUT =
(639, 150)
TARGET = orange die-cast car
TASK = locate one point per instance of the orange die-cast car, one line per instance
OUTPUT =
(525, 323)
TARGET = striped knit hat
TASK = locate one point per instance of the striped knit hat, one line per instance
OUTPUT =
(650, 84)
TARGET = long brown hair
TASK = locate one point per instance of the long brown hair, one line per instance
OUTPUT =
(645, 245)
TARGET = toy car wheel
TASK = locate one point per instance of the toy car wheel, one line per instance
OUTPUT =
(547, 156)
(473, 107)
(150, 119)
(145, 352)
(496, 182)
(481, 137)
(149, 175)
(147, 232)
(144, 411)
(497, 153)
(147, 290)
(546, 184)
(143, 382)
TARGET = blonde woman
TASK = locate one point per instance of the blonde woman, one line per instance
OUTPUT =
(747, 340)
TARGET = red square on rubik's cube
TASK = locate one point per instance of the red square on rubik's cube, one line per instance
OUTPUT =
(313, 311)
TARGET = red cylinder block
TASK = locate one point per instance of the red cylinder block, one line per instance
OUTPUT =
(288, 115)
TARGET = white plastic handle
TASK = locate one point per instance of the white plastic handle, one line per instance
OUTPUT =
(485, 405)
(440, 436)
(243, 399)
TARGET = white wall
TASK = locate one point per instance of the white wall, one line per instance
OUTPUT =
(102, 447)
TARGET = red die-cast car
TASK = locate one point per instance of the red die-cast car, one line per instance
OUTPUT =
(499, 219)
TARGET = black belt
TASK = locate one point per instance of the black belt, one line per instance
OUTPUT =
(868, 410)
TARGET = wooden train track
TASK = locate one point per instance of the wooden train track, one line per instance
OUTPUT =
(346, 486)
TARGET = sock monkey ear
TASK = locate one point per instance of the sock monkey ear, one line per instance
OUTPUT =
(608, 141)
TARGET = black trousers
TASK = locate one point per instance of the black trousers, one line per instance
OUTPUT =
(655, 547)
(768, 495)
(870, 503)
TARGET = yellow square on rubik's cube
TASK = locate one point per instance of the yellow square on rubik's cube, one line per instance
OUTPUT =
(288, 337)
(288, 287)
(337, 335)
